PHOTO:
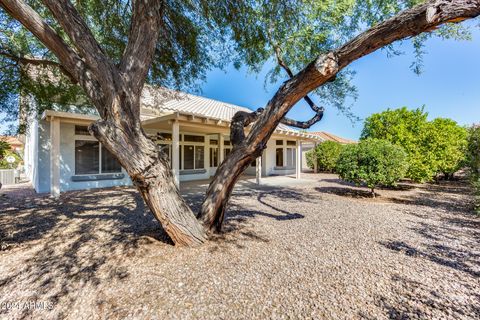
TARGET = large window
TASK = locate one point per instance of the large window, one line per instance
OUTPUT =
(87, 155)
(193, 157)
(109, 163)
(92, 158)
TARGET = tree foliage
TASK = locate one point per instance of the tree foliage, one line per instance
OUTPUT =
(326, 154)
(372, 162)
(448, 143)
(198, 35)
(432, 147)
(4, 147)
(473, 160)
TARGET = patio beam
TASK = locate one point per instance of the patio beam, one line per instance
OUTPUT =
(298, 160)
(176, 151)
(258, 170)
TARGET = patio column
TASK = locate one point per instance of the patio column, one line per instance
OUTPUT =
(221, 148)
(298, 160)
(315, 162)
(55, 157)
(258, 169)
(176, 151)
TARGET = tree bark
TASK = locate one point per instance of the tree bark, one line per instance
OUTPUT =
(151, 174)
(421, 18)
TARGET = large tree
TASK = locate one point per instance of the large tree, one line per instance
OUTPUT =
(111, 66)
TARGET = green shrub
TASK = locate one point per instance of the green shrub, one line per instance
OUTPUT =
(448, 144)
(3, 160)
(372, 162)
(4, 147)
(432, 147)
(473, 160)
(327, 154)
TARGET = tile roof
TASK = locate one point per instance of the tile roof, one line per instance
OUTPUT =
(13, 141)
(164, 100)
(332, 137)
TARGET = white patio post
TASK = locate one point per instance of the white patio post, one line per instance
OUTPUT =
(55, 157)
(258, 169)
(315, 162)
(176, 151)
(298, 160)
(221, 148)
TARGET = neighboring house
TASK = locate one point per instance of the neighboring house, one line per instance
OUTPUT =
(61, 155)
(323, 136)
(14, 143)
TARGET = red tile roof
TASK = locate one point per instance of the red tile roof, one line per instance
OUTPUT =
(12, 141)
(331, 137)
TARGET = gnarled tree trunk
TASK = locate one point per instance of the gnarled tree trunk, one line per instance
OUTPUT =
(150, 172)
(115, 90)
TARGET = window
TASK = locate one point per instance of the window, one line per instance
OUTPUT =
(194, 157)
(214, 142)
(291, 143)
(279, 157)
(226, 143)
(191, 138)
(92, 158)
(87, 157)
(213, 157)
(199, 157)
(109, 163)
(279, 142)
(290, 157)
(189, 154)
(82, 130)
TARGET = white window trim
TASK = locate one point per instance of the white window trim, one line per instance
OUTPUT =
(284, 146)
(183, 143)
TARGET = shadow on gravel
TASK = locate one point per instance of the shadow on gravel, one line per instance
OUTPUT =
(346, 192)
(79, 241)
(411, 299)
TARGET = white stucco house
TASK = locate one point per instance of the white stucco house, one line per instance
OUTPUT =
(60, 155)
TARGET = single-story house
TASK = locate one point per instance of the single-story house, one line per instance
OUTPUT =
(60, 154)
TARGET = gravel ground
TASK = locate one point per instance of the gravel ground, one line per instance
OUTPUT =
(321, 250)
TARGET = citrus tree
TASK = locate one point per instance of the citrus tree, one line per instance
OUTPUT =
(372, 162)
(326, 154)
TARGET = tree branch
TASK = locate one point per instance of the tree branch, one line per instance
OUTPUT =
(240, 120)
(37, 62)
(408, 23)
(318, 110)
(31, 20)
(143, 36)
(302, 124)
(83, 39)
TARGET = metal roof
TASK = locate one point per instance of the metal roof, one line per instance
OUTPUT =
(331, 137)
(163, 100)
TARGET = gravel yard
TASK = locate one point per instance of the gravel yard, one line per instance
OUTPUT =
(319, 249)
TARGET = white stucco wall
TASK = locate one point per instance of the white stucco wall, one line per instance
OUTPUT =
(38, 161)
(67, 162)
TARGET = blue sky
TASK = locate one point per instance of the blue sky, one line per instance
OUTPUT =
(448, 87)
